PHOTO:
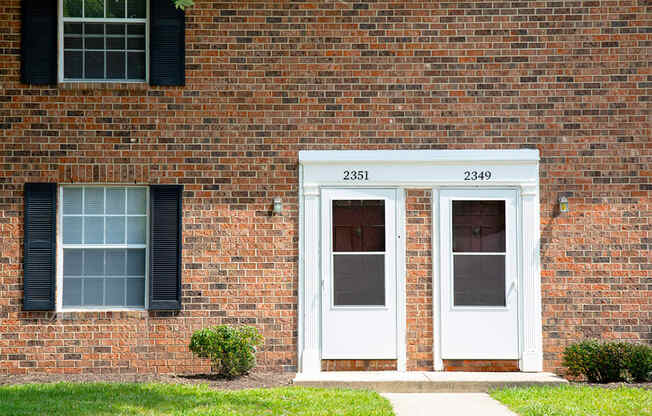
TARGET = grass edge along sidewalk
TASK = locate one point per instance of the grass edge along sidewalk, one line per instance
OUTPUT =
(151, 399)
(574, 400)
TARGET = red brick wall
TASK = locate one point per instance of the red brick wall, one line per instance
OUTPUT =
(419, 279)
(266, 79)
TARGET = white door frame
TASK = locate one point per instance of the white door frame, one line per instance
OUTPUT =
(405, 169)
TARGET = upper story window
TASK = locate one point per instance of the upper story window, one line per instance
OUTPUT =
(103, 40)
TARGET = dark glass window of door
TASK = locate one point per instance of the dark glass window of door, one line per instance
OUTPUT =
(479, 253)
(358, 252)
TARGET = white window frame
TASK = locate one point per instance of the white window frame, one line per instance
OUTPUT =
(62, 20)
(60, 248)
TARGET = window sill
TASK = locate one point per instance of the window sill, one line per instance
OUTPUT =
(103, 85)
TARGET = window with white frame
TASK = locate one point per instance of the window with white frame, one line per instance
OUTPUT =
(104, 246)
(103, 40)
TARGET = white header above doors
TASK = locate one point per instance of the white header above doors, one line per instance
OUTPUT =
(419, 168)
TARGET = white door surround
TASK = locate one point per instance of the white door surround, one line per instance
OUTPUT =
(439, 170)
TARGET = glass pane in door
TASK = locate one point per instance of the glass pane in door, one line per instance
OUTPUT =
(358, 252)
(479, 253)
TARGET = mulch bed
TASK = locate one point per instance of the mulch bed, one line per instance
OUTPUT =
(252, 380)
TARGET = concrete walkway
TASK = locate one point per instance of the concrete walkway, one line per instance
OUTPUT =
(446, 404)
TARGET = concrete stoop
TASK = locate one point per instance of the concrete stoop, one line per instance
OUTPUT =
(424, 382)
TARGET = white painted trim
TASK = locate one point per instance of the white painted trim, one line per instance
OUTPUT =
(437, 361)
(416, 156)
(401, 288)
(435, 169)
(60, 246)
(310, 298)
(61, 20)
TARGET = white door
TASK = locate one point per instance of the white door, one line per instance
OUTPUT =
(479, 281)
(359, 274)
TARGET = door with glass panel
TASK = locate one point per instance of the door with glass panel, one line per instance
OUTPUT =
(359, 273)
(479, 282)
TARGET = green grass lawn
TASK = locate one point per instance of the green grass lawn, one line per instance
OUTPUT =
(82, 399)
(576, 401)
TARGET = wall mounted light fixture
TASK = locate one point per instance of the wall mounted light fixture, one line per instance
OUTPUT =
(278, 206)
(563, 204)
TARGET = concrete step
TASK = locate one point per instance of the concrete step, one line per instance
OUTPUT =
(424, 382)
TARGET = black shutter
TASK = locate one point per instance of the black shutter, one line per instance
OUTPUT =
(39, 42)
(40, 246)
(167, 44)
(165, 247)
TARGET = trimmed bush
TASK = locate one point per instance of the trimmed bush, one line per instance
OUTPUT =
(230, 349)
(605, 362)
(639, 363)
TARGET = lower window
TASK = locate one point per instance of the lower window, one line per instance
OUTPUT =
(104, 247)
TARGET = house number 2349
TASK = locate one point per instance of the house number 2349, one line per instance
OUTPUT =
(356, 175)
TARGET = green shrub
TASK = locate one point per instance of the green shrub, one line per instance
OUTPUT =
(639, 362)
(605, 362)
(230, 349)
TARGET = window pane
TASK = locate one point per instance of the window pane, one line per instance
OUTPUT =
(72, 42)
(94, 230)
(136, 65)
(115, 29)
(479, 280)
(115, 8)
(94, 200)
(93, 28)
(73, 65)
(136, 43)
(115, 230)
(94, 65)
(72, 28)
(136, 230)
(115, 201)
(116, 43)
(479, 226)
(359, 279)
(72, 289)
(72, 8)
(358, 225)
(136, 8)
(72, 262)
(93, 8)
(72, 230)
(72, 201)
(137, 199)
(94, 43)
(115, 65)
(135, 292)
(136, 262)
(93, 292)
(136, 29)
(115, 262)
(115, 292)
(93, 262)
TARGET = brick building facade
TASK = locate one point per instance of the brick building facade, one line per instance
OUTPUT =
(266, 79)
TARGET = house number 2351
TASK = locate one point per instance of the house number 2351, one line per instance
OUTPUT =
(356, 175)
